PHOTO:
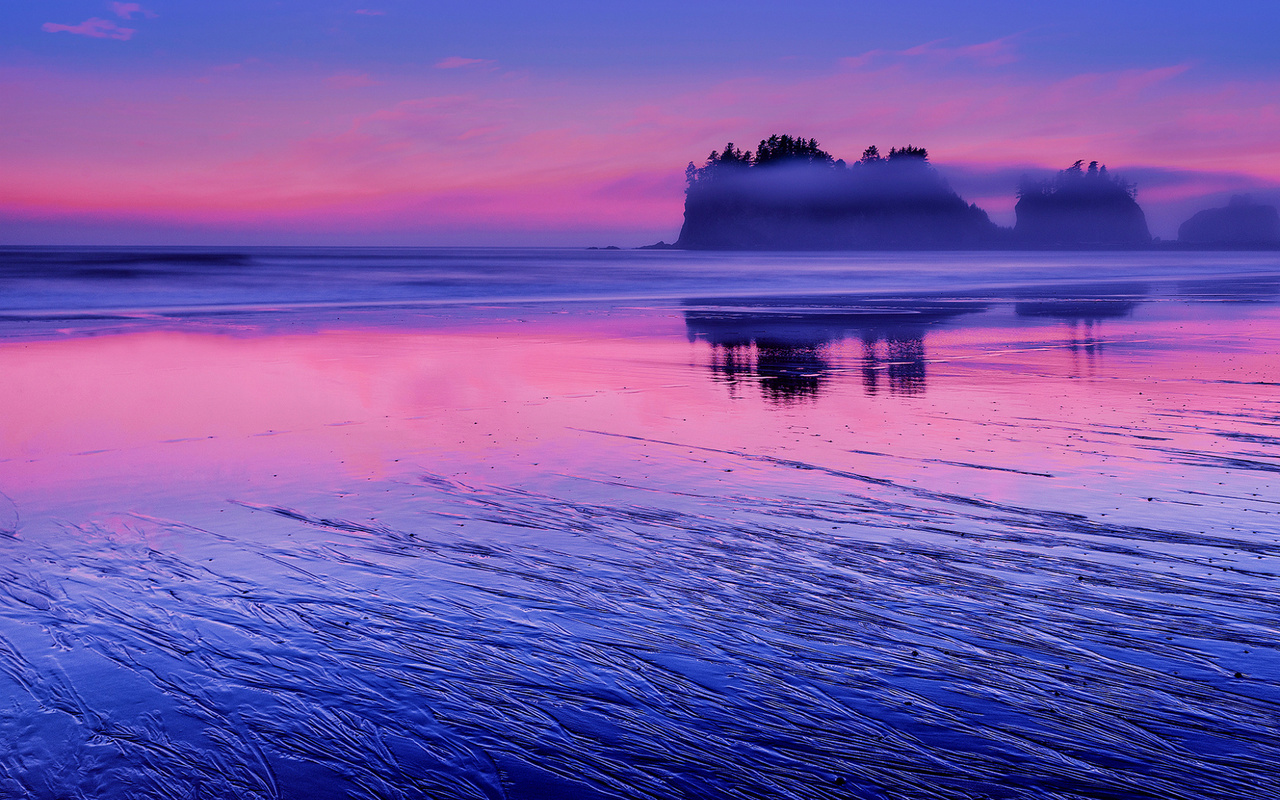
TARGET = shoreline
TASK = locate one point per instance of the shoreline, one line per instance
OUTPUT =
(1156, 247)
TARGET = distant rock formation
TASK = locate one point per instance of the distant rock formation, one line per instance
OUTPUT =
(1079, 208)
(1240, 222)
(792, 195)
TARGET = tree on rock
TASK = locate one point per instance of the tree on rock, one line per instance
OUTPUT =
(786, 149)
(792, 194)
(1079, 206)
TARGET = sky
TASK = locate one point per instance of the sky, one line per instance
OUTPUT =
(565, 123)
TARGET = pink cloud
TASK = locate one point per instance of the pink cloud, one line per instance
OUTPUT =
(995, 53)
(457, 62)
(351, 80)
(94, 27)
(127, 10)
(368, 12)
(541, 154)
(1136, 81)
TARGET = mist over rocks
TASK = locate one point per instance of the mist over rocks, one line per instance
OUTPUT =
(792, 195)
(1079, 207)
(1240, 222)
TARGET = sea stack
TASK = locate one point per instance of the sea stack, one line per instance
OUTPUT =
(1240, 222)
(1079, 207)
(792, 195)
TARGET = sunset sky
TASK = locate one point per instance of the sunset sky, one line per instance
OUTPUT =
(570, 123)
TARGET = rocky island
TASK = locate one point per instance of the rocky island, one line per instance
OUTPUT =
(792, 195)
(1080, 207)
(1241, 222)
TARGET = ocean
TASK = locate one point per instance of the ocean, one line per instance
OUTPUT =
(526, 523)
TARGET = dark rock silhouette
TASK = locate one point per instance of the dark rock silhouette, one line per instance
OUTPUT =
(1240, 222)
(1079, 208)
(792, 195)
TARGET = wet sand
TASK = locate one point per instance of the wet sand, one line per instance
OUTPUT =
(978, 544)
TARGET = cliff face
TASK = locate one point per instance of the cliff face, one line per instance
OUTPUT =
(1241, 222)
(1079, 208)
(821, 205)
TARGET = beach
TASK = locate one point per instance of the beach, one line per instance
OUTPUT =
(536, 524)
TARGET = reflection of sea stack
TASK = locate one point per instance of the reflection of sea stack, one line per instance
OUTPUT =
(779, 343)
(1083, 303)
(1241, 222)
(898, 355)
(791, 195)
(1079, 207)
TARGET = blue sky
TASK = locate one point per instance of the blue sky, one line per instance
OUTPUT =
(1236, 37)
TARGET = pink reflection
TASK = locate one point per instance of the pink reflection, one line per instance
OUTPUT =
(189, 413)
(1001, 411)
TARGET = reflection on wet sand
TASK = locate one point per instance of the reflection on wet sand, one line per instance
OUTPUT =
(1083, 309)
(899, 357)
(785, 372)
(787, 346)
(1233, 289)
(779, 343)
(358, 557)
(1087, 303)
